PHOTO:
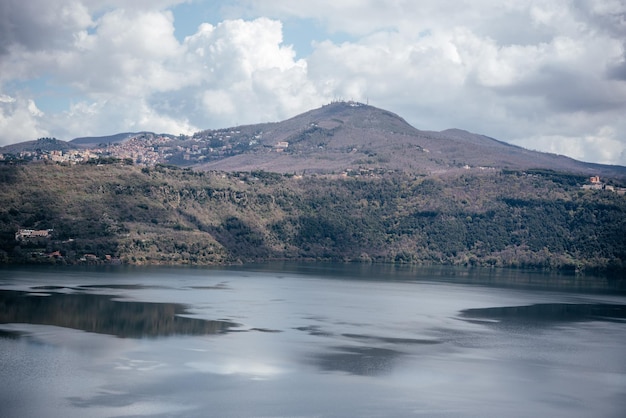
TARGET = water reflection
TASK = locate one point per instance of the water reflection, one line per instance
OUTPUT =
(549, 313)
(362, 361)
(349, 345)
(13, 335)
(103, 315)
(505, 278)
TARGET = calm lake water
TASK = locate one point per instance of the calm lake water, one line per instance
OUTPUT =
(313, 340)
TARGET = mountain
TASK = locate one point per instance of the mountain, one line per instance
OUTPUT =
(53, 144)
(400, 195)
(352, 136)
(341, 137)
(39, 145)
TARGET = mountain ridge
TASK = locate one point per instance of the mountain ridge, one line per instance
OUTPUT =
(366, 137)
(338, 137)
(87, 141)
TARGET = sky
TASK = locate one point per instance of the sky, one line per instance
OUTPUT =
(548, 75)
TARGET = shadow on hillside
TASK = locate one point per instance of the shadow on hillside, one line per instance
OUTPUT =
(242, 241)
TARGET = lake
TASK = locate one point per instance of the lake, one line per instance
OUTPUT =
(309, 340)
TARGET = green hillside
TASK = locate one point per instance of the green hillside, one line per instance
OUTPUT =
(167, 215)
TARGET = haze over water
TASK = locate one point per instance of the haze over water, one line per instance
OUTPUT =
(318, 340)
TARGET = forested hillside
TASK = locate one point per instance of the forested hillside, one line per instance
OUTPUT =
(167, 215)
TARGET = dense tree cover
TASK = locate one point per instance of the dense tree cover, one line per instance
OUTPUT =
(170, 215)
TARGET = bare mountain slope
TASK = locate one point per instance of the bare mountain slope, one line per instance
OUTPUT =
(349, 135)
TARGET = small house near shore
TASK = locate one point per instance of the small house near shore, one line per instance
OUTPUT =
(26, 234)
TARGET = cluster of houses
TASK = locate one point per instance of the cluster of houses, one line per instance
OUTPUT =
(57, 156)
(25, 235)
(141, 150)
(149, 149)
(596, 184)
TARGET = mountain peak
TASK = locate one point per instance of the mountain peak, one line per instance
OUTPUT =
(352, 114)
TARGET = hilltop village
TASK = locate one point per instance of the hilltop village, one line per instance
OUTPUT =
(148, 149)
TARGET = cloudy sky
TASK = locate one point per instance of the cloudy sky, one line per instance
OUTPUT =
(544, 74)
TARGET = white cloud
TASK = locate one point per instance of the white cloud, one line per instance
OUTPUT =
(107, 117)
(40, 24)
(129, 54)
(20, 120)
(6, 99)
(601, 147)
(247, 74)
